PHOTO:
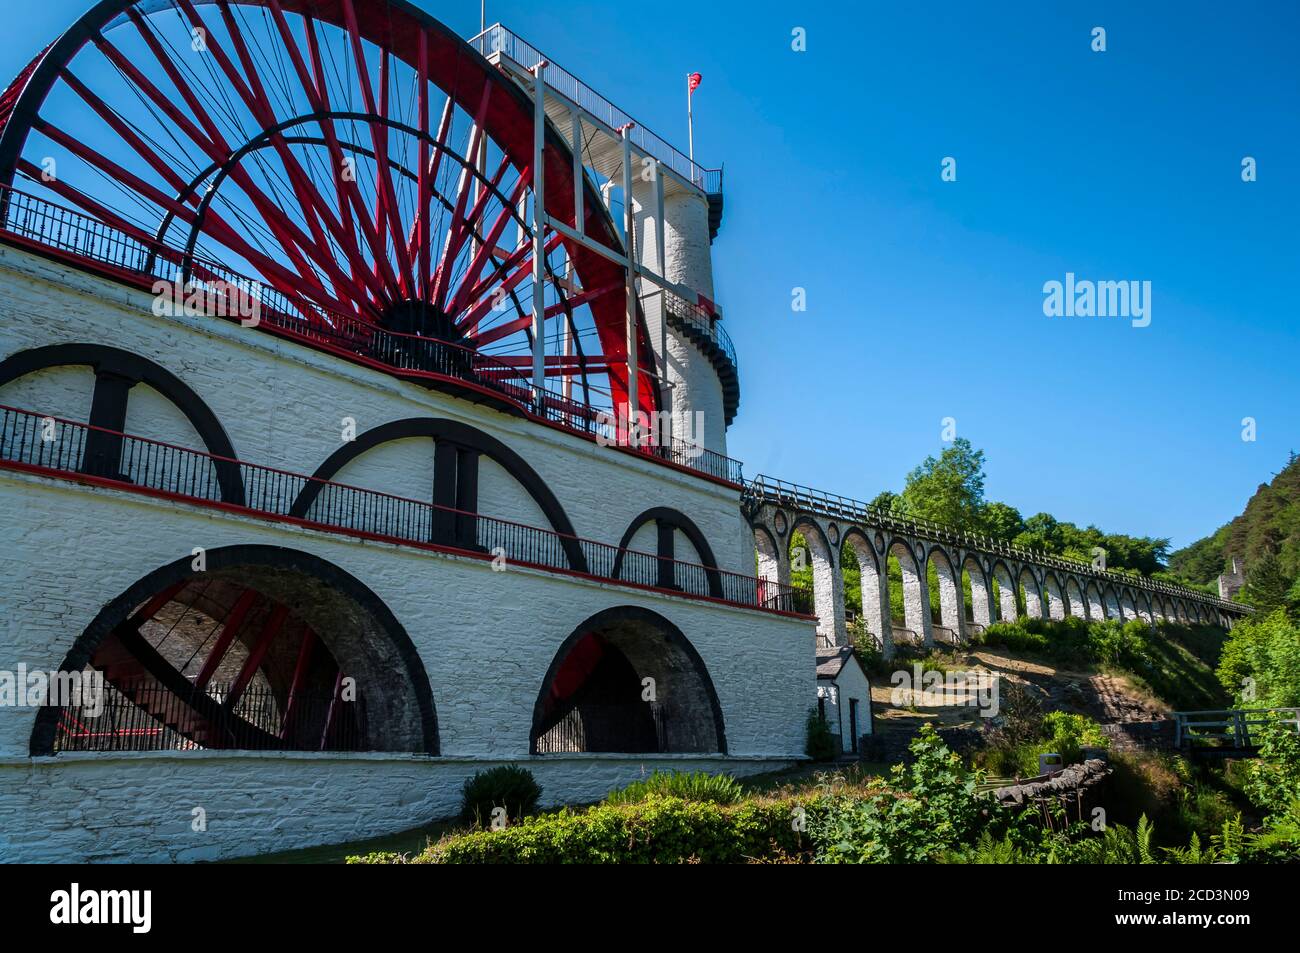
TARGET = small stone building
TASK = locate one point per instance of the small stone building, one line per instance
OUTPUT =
(843, 696)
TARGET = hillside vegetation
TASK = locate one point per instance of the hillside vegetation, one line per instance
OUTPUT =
(1269, 525)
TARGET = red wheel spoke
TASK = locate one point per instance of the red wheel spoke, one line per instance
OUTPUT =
(349, 187)
(378, 133)
(448, 255)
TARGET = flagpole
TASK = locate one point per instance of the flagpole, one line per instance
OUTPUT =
(690, 118)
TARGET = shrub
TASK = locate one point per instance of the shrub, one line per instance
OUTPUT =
(508, 786)
(664, 830)
(689, 786)
(821, 742)
(931, 808)
(1273, 780)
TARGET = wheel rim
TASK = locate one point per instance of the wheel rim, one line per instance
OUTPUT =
(354, 156)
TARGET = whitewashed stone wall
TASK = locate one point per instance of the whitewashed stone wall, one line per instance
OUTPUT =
(139, 807)
(485, 638)
(282, 405)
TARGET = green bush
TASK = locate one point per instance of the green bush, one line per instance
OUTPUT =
(689, 786)
(662, 830)
(508, 786)
(1273, 780)
(1267, 652)
(930, 807)
(821, 744)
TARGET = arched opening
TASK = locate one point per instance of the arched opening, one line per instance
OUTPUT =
(1055, 599)
(945, 597)
(812, 565)
(1096, 605)
(1074, 595)
(1030, 594)
(767, 565)
(909, 606)
(663, 547)
(262, 648)
(627, 680)
(1113, 610)
(1127, 607)
(857, 554)
(979, 606)
(1004, 592)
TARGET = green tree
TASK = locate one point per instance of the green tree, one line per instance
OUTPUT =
(1267, 585)
(1001, 521)
(949, 488)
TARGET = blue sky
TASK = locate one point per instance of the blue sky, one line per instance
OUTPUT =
(925, 297)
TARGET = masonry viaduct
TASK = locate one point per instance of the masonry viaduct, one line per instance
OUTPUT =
(1052, 587)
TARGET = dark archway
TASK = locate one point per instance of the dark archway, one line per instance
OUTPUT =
(184, 648)
(593, 697)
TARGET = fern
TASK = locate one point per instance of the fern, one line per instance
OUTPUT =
(1144, 832)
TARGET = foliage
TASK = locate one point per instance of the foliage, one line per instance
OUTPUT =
(1267, 584)
(1012, 748)
(949, 488)
(1260, 664)
(508, 786)
(1270, 524)
(1273, 779)
(1158, 660)
(932, 807)
(659, 829)
(689, 786)
(821, 744)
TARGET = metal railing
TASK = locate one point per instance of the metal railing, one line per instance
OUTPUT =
(904, 636)
(44, 443)
(1230, 725)
(634, 728)
(766, 489)
(944, 634)
(144, 715)
(66, 230)
(499, 39)
(706, 322)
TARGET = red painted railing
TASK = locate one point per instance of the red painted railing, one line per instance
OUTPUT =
(53, 446)
(89, 242)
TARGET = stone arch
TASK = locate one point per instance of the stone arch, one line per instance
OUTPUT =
(1127, 604)
(455, 481)
(1033, 592)
(1167, 610)
(950, 595)
(116, 372)
(1007, 611)
(768, 562)
(1074, 596)
(1096, 602)
(828, 604)
(1144, 607)
(665, 569)
(916, 601)
(592, 697)
(1111, 599)
(875, 608)
(358, 632)
(1056, 608)
(981, 597)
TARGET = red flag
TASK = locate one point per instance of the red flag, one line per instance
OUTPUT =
(693, 82)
